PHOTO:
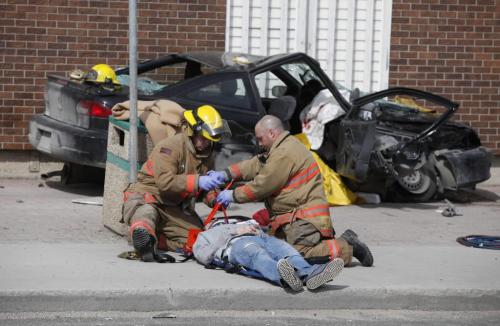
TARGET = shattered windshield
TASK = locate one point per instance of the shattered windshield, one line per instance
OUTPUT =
(145, 85)
(300, 71)
(153, 81)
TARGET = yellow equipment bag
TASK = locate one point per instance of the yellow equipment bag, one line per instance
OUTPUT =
(336, 192)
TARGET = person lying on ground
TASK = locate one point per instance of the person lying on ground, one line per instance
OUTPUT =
(244, 248)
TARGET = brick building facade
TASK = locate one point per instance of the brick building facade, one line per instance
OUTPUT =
(450, 47)
(42, 37)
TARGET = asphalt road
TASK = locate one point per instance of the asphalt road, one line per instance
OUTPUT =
(253, 318)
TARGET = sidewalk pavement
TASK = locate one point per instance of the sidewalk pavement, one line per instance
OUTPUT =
(57, 256)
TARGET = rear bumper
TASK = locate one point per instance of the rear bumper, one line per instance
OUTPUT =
(68, 143)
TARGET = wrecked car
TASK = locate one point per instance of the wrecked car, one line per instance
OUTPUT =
(406, 152)
(378, 143)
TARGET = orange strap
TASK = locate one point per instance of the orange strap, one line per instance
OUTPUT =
(217, 206)
(193, 233)
(191, 239)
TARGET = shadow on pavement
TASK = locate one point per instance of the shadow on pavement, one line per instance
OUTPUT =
(329, 287)
(83, 189)
(469, 195)
(420, 206)
(462, 197)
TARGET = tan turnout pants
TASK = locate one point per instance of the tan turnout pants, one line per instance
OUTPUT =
(168, 222)
(306, 238)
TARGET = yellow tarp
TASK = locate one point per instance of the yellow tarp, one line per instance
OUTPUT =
(336, 192)
(411, 103)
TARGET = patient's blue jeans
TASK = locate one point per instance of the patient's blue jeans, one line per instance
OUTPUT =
(260, 253)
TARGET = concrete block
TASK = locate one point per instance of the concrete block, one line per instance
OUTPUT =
(26, 164)
(117, 170)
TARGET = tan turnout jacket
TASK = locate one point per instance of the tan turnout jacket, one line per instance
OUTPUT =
(170, 175)
(290, 183)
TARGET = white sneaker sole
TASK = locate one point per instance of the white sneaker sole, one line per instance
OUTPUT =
(288, 274)
(332, 269)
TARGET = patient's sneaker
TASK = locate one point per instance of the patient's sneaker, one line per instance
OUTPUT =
(289, 275)
(322, 274)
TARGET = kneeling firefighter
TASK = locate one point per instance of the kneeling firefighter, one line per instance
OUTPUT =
(160, 206)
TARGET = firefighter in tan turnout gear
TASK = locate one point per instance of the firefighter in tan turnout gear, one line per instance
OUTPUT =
(159, 207)
(289, 181)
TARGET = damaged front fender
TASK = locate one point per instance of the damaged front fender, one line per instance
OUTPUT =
(459, 168)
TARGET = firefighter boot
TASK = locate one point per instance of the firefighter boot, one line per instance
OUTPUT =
(360, 250)
(144, 244)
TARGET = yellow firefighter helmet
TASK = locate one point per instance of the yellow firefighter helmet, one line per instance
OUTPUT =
(208, 122)
(102, 73)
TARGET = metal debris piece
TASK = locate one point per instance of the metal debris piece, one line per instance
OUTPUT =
(51, 174)
(165, 315)
(97, 201)
(130, 255)
(450, 210)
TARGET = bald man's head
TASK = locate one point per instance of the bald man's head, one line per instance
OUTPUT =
(267, 130)
(270, 122)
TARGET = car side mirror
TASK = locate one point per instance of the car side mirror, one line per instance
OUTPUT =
(278, 90)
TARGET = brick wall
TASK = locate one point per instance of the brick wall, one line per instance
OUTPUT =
(41, 37)
(452, 48)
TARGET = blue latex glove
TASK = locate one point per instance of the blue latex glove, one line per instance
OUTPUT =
(225, 197)
(221, 176)
(208, 182)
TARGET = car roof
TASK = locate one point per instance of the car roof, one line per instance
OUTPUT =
(218, 60)
(221, 60)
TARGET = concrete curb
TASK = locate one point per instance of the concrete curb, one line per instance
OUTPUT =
(333, 297)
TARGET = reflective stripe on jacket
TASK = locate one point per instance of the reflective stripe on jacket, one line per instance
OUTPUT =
(171, 171)
(290, 183)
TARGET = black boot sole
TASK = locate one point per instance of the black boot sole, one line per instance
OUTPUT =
(144, 244)
(352, 238)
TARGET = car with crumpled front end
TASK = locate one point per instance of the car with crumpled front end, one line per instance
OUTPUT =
(377, 144)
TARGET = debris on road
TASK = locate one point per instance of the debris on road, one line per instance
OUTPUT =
(97, 201)
(480, 241)
(449, 211)
(165, 315)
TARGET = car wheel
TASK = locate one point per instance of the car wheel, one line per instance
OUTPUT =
(418, 186)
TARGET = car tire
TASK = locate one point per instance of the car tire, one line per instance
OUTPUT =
(418, 187)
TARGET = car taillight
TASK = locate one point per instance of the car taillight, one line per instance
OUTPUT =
(95, 109)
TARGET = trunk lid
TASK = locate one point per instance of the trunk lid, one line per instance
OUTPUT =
(74, 103)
